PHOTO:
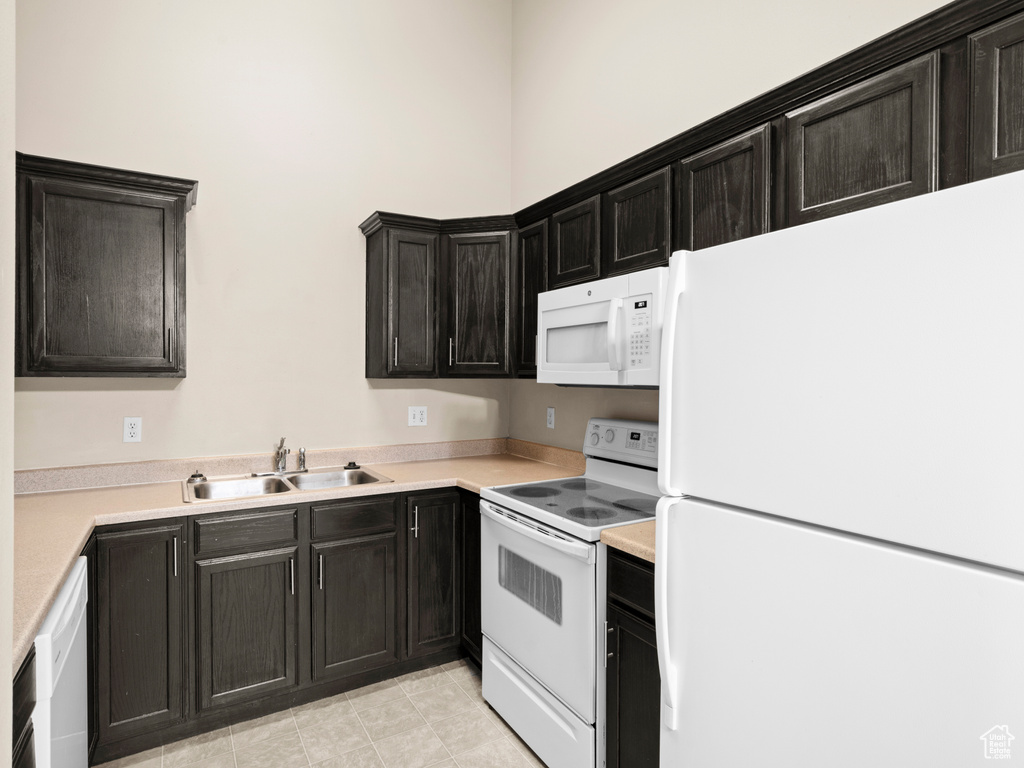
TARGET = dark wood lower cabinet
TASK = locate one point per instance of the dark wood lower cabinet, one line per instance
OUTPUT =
(354, 597)
(247, 626)
(140, 675)
(24, 695)
(433, 621)
(239, 614)
(472, 633)
(633, 682)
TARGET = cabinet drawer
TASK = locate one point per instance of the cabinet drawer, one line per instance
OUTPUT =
(631, 583)
(341, 519)
(250, 530)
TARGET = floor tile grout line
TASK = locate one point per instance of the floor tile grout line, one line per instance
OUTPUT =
(298, 730)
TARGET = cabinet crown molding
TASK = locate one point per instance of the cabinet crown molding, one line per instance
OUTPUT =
(84, 172)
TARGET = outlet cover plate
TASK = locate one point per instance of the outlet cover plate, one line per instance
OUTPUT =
(417, 415)
(551, 418)
(132, 429)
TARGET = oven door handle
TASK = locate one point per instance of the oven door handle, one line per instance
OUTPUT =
(577, 549)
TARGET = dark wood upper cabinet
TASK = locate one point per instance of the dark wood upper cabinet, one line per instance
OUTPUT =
(140, 681)
(101, 270)
(722, 194)
(574, 253)
(637, 224)
(871, 143)
(401, 275)
(433, 573)
(476, 267)
(247, 626)
(530, 278)
(997, 129)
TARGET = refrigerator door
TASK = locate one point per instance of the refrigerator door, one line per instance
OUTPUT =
(786, 645)
(863, 372)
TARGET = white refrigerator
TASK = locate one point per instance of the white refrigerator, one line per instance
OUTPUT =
(840, 549)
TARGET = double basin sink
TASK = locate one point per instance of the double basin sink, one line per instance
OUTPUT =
(245, 486)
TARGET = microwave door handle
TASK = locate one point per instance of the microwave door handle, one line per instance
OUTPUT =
(614, 310)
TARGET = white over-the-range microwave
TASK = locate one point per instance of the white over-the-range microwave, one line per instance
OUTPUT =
(606, 333)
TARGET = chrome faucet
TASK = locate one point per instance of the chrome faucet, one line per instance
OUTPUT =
(281, 457)
(302, 459)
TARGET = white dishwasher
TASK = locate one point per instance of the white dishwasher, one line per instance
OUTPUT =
(61, 716)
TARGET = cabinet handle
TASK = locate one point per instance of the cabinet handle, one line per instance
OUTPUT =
(415, 522)
(607, 634)
(396, 351)
(291, 568)
(449, 350)
(175, 555)
(320, 576)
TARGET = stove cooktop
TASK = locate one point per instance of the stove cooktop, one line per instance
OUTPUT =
(578, 505)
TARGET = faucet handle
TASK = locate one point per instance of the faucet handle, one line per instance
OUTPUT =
(281, 446)
(302, 459)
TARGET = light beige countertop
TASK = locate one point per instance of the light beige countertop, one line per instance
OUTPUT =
(636, 539)
(51, 529)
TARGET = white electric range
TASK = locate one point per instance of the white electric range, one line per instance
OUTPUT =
(544, 591)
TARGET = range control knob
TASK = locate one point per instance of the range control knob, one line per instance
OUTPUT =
(609, 435)
(594, 439)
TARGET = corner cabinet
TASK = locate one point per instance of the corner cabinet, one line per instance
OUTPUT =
(476, 298)
(438, 296)
(100, 270)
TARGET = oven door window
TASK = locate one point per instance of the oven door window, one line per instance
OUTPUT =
(538, 588)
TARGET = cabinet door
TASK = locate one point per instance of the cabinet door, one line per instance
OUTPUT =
(723, 193)
(637, 224)
(477, 272)
(472, 634)
(633, 692)
(531, 278)
(246, 610)
(412, 271)
(433, 573)
(140, 655)
(101, 280)
(872, 143)
(997, 128)
(353, 620)
(574, 254)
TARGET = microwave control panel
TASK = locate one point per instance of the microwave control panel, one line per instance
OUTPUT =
(639, 327)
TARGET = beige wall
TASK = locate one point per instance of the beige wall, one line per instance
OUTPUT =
(299, 120)
(6, 361)
(597, 81)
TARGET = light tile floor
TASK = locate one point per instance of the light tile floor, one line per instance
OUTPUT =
(436, 717)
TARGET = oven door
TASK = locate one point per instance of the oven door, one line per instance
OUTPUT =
(538, 596)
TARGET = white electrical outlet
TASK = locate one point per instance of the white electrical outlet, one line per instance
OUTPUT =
(551, 418)
(417, 415)
(132, 429)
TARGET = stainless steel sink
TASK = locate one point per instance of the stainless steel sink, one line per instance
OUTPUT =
(223, 488)
(235, 488)
(316, 479)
